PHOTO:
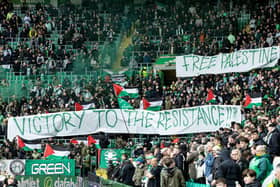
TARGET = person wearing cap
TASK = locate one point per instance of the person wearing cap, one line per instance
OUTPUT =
(273, 140)
(139, 171)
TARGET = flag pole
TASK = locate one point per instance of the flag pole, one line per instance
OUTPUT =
(125, 123)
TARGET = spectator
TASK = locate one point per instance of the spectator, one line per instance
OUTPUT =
(126, 171)
(170, 175)
(261, 163)
(139, 171)
(257, 140)
(209, 162)
(180, 161)
(249, 177)
(230, 170)
(221, 182)
(86, 164)
(154, 174)
(275, 181)
(10, 182)
(273, 140)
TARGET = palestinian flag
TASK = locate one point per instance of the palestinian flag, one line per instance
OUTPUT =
(130, 92)
(84, 106)
(151, 104)
(210, 96)
(86, 140)
(56, 152)
(176, 140)
(79, 141)
(29, 145)
(250, 102)
(123, 104)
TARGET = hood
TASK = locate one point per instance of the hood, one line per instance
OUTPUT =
(193, 155)
(169, 171)
(225, 154)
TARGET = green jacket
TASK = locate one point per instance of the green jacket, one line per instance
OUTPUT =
(172, 177)
(262, 166)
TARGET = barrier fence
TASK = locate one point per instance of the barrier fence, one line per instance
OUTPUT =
(61, 172)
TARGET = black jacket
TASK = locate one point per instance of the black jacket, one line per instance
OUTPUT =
(231, 171)
(255, 183)
(127, 172)
(155, 181)
(243, 164)
(259, 141)
(274, 143)
(180, 162)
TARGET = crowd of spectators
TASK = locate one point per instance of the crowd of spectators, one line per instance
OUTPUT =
(44, 39)
(187, 27)
(243, 157)
(246, 153)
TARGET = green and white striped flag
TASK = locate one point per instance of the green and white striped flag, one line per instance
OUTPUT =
(123, 104)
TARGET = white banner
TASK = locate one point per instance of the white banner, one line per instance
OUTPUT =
(239, 61)
(12, 167)
(178, 121)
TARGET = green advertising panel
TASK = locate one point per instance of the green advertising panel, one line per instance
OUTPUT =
(48, 181)
(30, 2)
(110, 154)
(50, 167)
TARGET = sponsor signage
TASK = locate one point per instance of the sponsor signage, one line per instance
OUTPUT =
(50, 167)
(13, 167)
(49, 181)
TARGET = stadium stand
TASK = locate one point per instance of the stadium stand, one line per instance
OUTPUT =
(58, 59)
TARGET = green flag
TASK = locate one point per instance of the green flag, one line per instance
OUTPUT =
(123, 104)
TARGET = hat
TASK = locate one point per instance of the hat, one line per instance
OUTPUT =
(140, 159)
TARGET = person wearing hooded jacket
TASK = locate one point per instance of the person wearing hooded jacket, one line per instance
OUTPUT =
(126, 171)
(139, 171)
(230, 170)
(180, 161)
(273, 140)
(171, 176)
(261, 163)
